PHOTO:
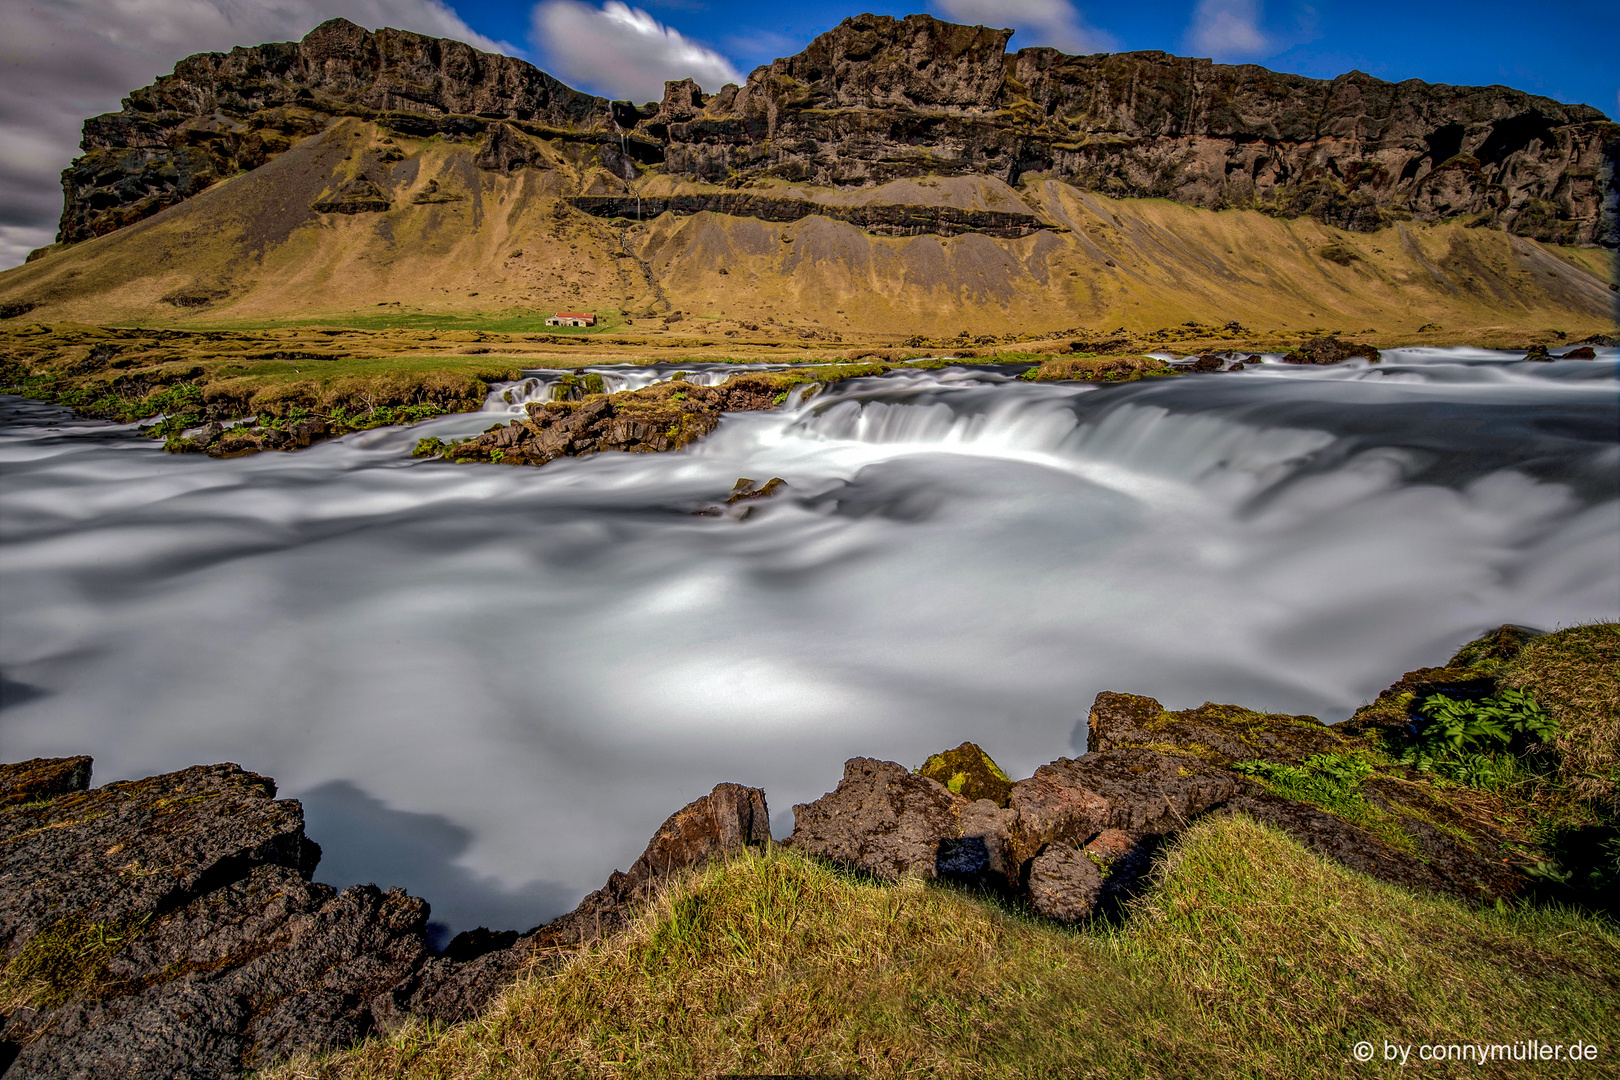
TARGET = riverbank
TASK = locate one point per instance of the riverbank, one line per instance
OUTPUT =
(1374, 877)
(233, 392)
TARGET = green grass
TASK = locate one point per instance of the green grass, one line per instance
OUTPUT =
(494, 322)
(1248, 957)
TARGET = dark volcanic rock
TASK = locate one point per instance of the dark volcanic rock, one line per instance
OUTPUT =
(1223, 734)
(881, 819)
(728, 819)
(168, 927)
(141, 847)
(450, 989)
(884, 220)
(878, 98)
(199, 945)
(1064, 884)
(1337, 839)
(1136, 791)
(219, 113)
(43, 778)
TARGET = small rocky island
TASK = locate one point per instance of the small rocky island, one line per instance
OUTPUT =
(170, 926)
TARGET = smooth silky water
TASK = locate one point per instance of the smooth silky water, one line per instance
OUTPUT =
(490, 684)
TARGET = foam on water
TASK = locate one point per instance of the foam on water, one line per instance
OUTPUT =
(491, 684)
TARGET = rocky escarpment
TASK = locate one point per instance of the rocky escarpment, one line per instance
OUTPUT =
(876, 99)
(170, 927)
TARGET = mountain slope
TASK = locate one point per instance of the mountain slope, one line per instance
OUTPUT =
(395, 172)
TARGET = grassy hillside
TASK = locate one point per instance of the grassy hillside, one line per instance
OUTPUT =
(500, 251)
(1249, 957)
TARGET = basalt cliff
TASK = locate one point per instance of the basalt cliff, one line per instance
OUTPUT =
(878, 99)
(899, 178)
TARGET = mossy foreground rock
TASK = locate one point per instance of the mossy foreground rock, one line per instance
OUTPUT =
(969, 772)
(1077, 835)
(43, 778)
(169, 927)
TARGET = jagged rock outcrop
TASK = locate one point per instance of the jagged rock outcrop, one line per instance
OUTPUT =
(969, 772)
(878, 98)
(43, 778)
(170, 927)
(1076, 838)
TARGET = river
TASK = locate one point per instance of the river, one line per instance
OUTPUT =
(490, 684)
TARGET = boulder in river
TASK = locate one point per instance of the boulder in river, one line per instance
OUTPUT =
(1329, 349)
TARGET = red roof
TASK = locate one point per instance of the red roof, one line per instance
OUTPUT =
(575, 315)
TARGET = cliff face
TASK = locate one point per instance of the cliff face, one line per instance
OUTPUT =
(878, 98)
(223, 113)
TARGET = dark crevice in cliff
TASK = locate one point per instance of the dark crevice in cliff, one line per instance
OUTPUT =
(885, 220)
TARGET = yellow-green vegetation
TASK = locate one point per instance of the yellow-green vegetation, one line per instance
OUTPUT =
(1086, 366)
(428, 263)
(1572, 675)
(65, 960)
(1247, 957)
(1526, 738)
(132, 375)
(970, 772)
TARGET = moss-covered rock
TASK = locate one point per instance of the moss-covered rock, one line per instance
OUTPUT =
(969, 772)
(1125, 367)
(42, 778)
(1329, 350)
(1219, 734)
(664, 416)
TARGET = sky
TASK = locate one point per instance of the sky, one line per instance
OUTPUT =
(64, 60)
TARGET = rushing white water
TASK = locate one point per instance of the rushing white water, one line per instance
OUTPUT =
(542, 384)
(490, 684)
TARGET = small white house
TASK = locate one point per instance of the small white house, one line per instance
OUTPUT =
(572, 318)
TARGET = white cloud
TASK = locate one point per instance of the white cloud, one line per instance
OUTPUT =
(65, 60)
(1057, 23)
(1229, 30)
(622, 51)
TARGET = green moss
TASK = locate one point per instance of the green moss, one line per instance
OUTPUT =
(969, 772)
(66, 960)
